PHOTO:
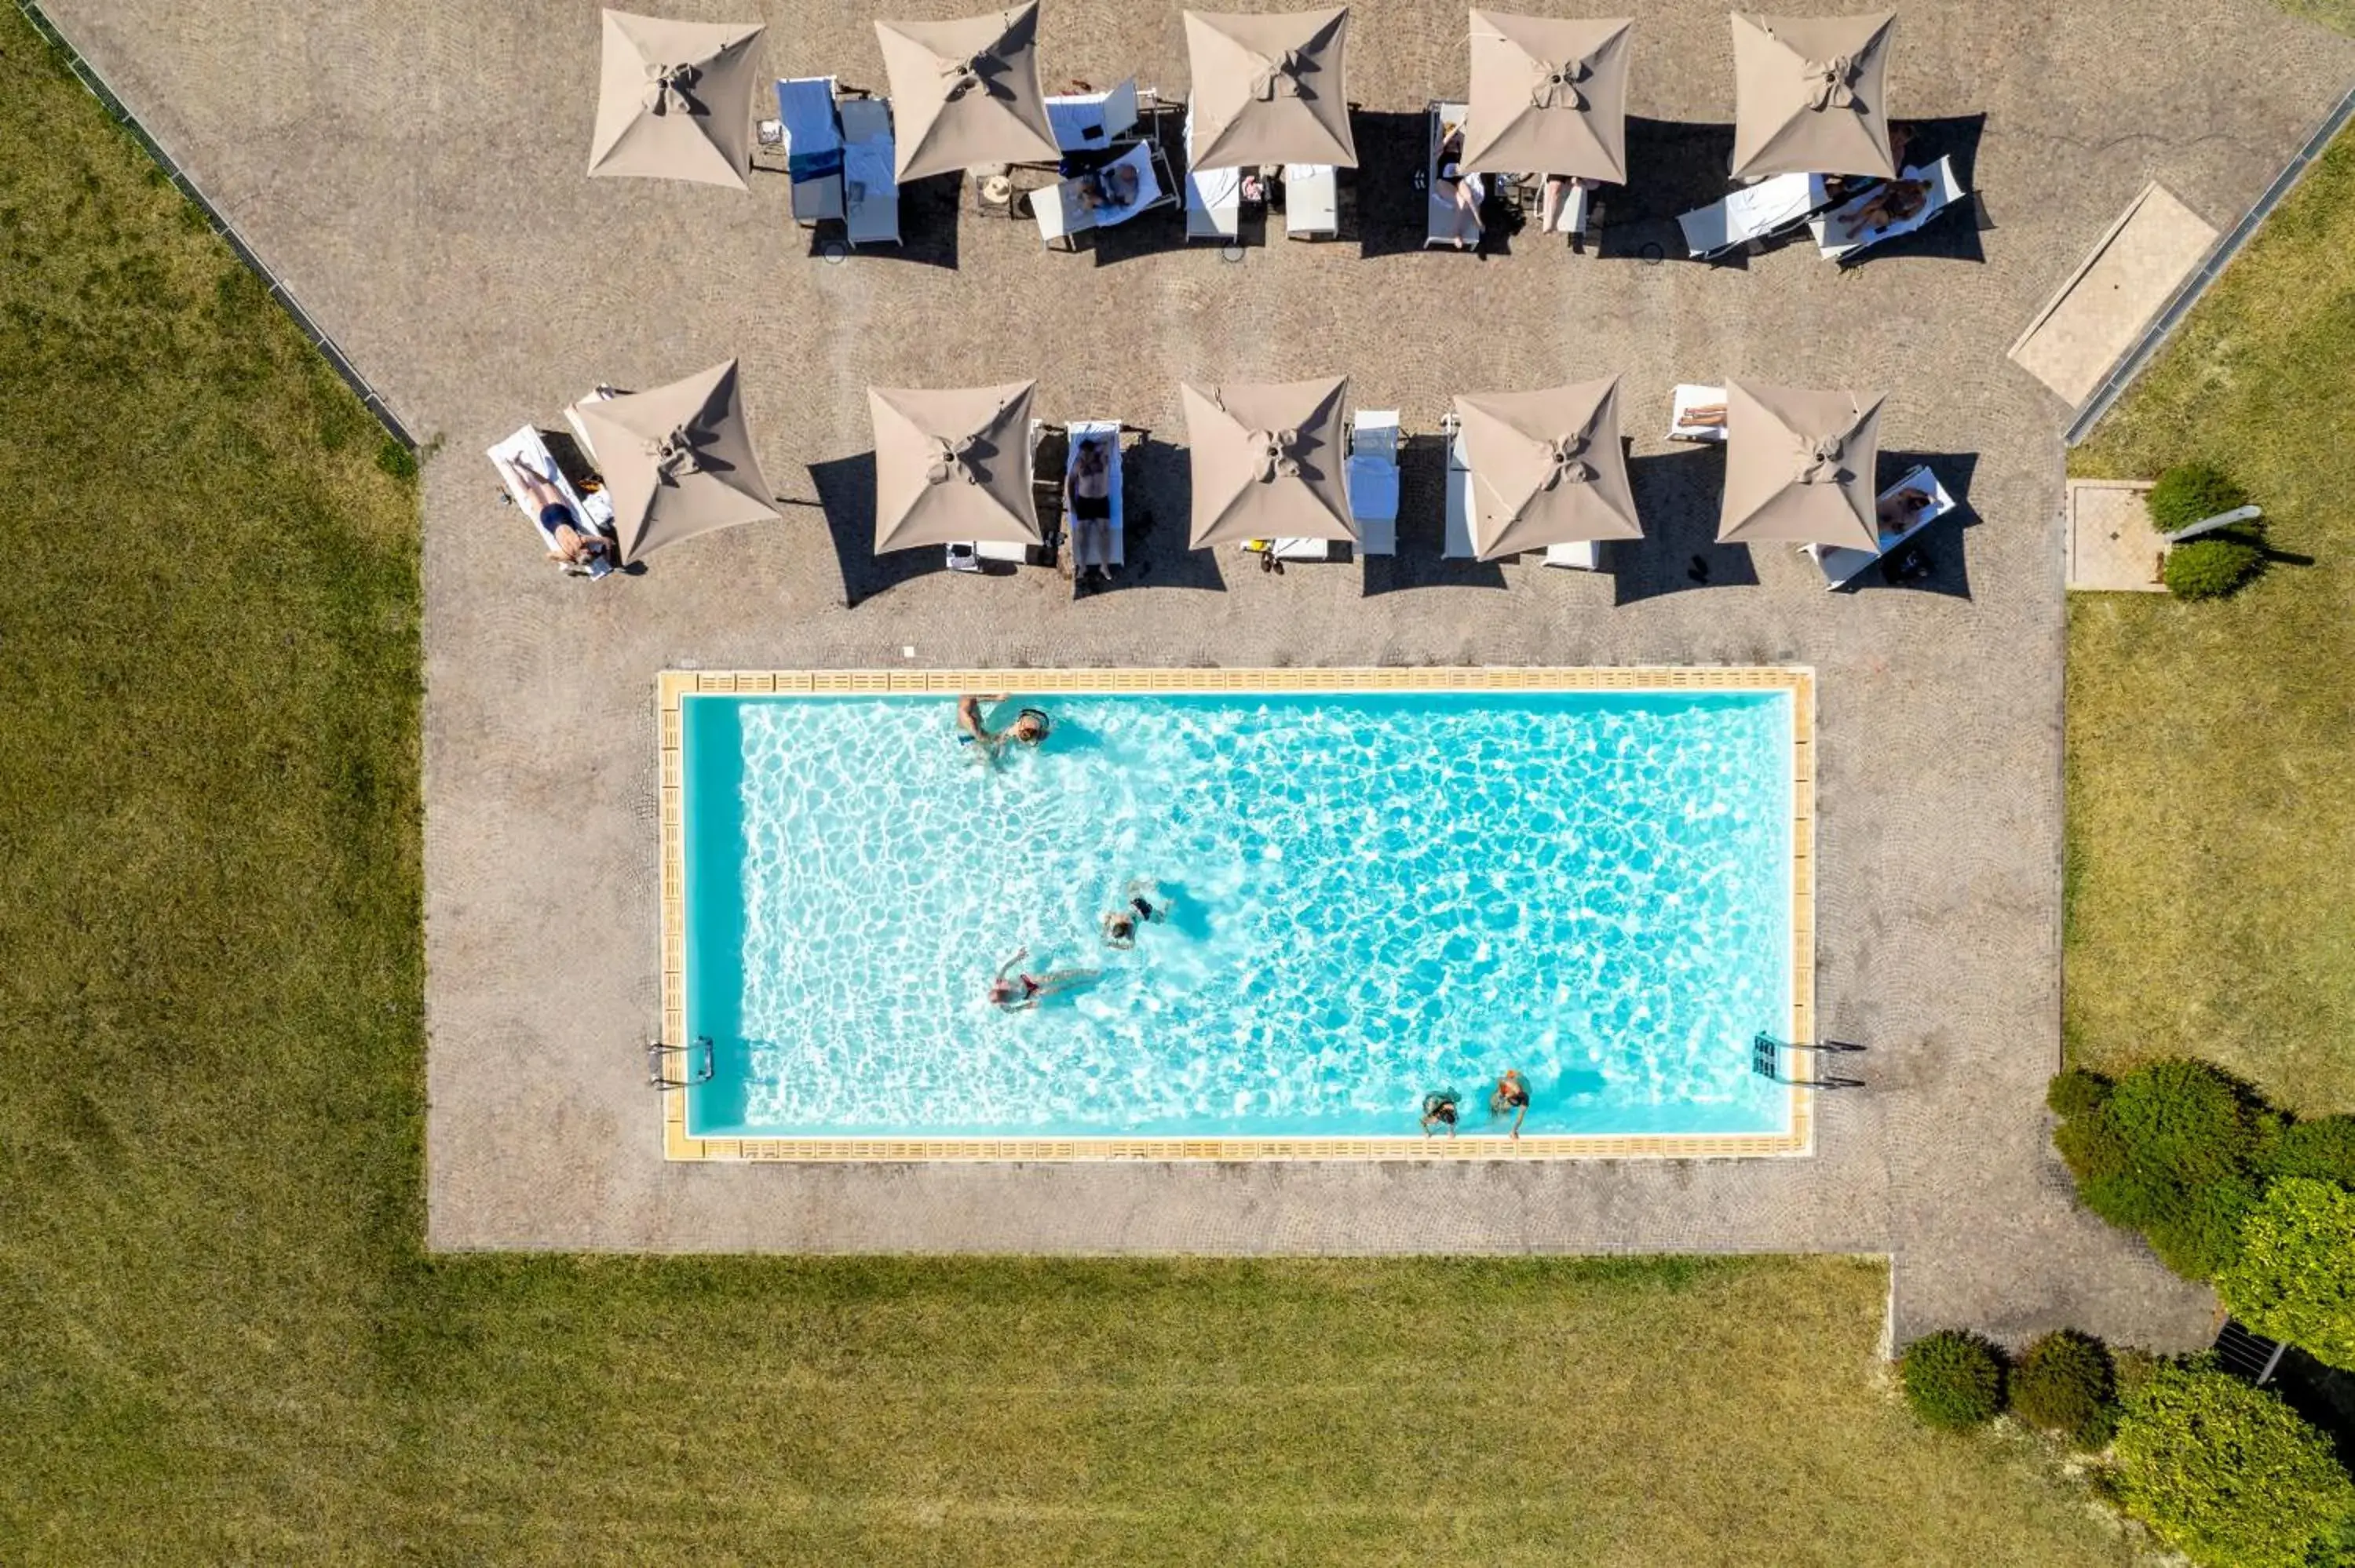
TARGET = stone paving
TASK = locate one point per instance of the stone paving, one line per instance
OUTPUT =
(413, 168)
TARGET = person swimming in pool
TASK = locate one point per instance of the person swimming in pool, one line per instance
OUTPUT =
(1029, 727)
(1439, 1110)
(1512, 1094)
(1014, 990)
(1119, 926)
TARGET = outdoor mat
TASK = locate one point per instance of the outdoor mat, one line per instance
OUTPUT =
(2106, 302)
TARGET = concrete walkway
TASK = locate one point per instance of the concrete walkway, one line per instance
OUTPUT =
(414, 167)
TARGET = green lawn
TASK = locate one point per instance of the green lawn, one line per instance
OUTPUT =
(2211, 746)
(220, 1341)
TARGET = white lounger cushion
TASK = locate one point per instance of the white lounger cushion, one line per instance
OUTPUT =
(1945, 191)
(1839, 563)
(1091, 121)
(1458, 547)
(1692, 396)
(525, 448)
(1580, 555)
(871, 193)
(1214, 198)
(1753, 212)
(1116, 551)
(1312, 201)
(1059, 211)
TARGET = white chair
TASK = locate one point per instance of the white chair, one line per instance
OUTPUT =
(1092, 121)
(813, 146)
(1830, 228)
(1444, 222)
(1312, 201)
(1214, 198)
(1373, 480)
(525, 449)
(871, 191)
(1752, 213)
(1114, 550)
(1840, 564)
(1684, 401)
(1062, 213)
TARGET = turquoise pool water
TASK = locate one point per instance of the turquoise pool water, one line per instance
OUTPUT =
(1370, 895)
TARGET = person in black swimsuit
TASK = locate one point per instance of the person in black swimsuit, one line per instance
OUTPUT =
(1512, 1094)
(1439, 1110)
(574, 541)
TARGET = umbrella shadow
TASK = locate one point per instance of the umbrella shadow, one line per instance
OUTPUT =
(846, 494)
(929, 210)
(1932, 561)
(1387, 218)
(1157, 495)
(1422, 560)
(1676, 495)
(1673, 166)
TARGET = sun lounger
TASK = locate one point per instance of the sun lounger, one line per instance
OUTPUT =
(870, 191)
(1312, 201)
(1840, 564)
(1373, 480)
(525, 448)
(1578, 555)
(1115, 549)
(1444, 222)
(813, 146)
(1458, 547)
(1830, 228)
(1092, 121)
(1063, 212)
(1685, 399)
(1214, 198)
(967, 556)
(1752, 213)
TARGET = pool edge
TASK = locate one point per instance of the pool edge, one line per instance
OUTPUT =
(674, 685)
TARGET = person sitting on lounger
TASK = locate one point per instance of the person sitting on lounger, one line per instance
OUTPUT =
(1025, 991)
(1891, 204)
(1088, 490)
(1439, 1110)
(1555, 200)
(576, 544)
(1464, 190)
(1109, 190)
(1512, 1094)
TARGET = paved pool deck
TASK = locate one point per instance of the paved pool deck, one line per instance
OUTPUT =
(413, 170)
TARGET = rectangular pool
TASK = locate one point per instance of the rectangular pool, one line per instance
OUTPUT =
(1371, 895)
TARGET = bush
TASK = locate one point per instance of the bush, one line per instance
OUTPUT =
(2294, 1279)
(2170, 1152)
(2322, 1150)
(2064, 1383)
(2076, 1092)
(2212, 566)
(395, 459)
(2191, 492)
(2228, 1474)
(1952, 1379)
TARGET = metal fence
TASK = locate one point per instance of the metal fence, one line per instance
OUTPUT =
(2180, 303)
(89, 77)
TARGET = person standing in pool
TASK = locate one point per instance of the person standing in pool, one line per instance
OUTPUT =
(1119, 926)
(1512, 1094)
(1024, 991)
(1029, 727)
(1439, 1110)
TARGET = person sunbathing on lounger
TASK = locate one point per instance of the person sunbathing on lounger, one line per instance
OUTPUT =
(1455, 185)
(577, 544)
(1089, 492)
(1891, 204)
(1024, 991)
(1703, 416)
(1897, 511)
(1555, 200)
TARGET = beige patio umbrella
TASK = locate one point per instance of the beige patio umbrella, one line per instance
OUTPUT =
(1807, 95)
(675, 99)
(677, 461)
(953, 466)
(1548, 97)
(966, 92)
(1268, 460)
(1799, 466)
(1547, 468)
(1270, 89)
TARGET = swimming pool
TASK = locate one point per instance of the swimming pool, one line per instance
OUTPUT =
(1375, 885)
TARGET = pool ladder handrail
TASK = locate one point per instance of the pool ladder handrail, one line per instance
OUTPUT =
(694, 1059)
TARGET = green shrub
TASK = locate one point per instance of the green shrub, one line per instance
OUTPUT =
(2076, 1092)
(396, 458)
(2212, 566)
(2191, 492)
(2294, 1279)
(2320, 1150)
(2064, 1383)
(2170, 1152)
(2228, 1474)
(1952, 1379)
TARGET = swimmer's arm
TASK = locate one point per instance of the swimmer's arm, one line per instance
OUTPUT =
(1003, 969)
